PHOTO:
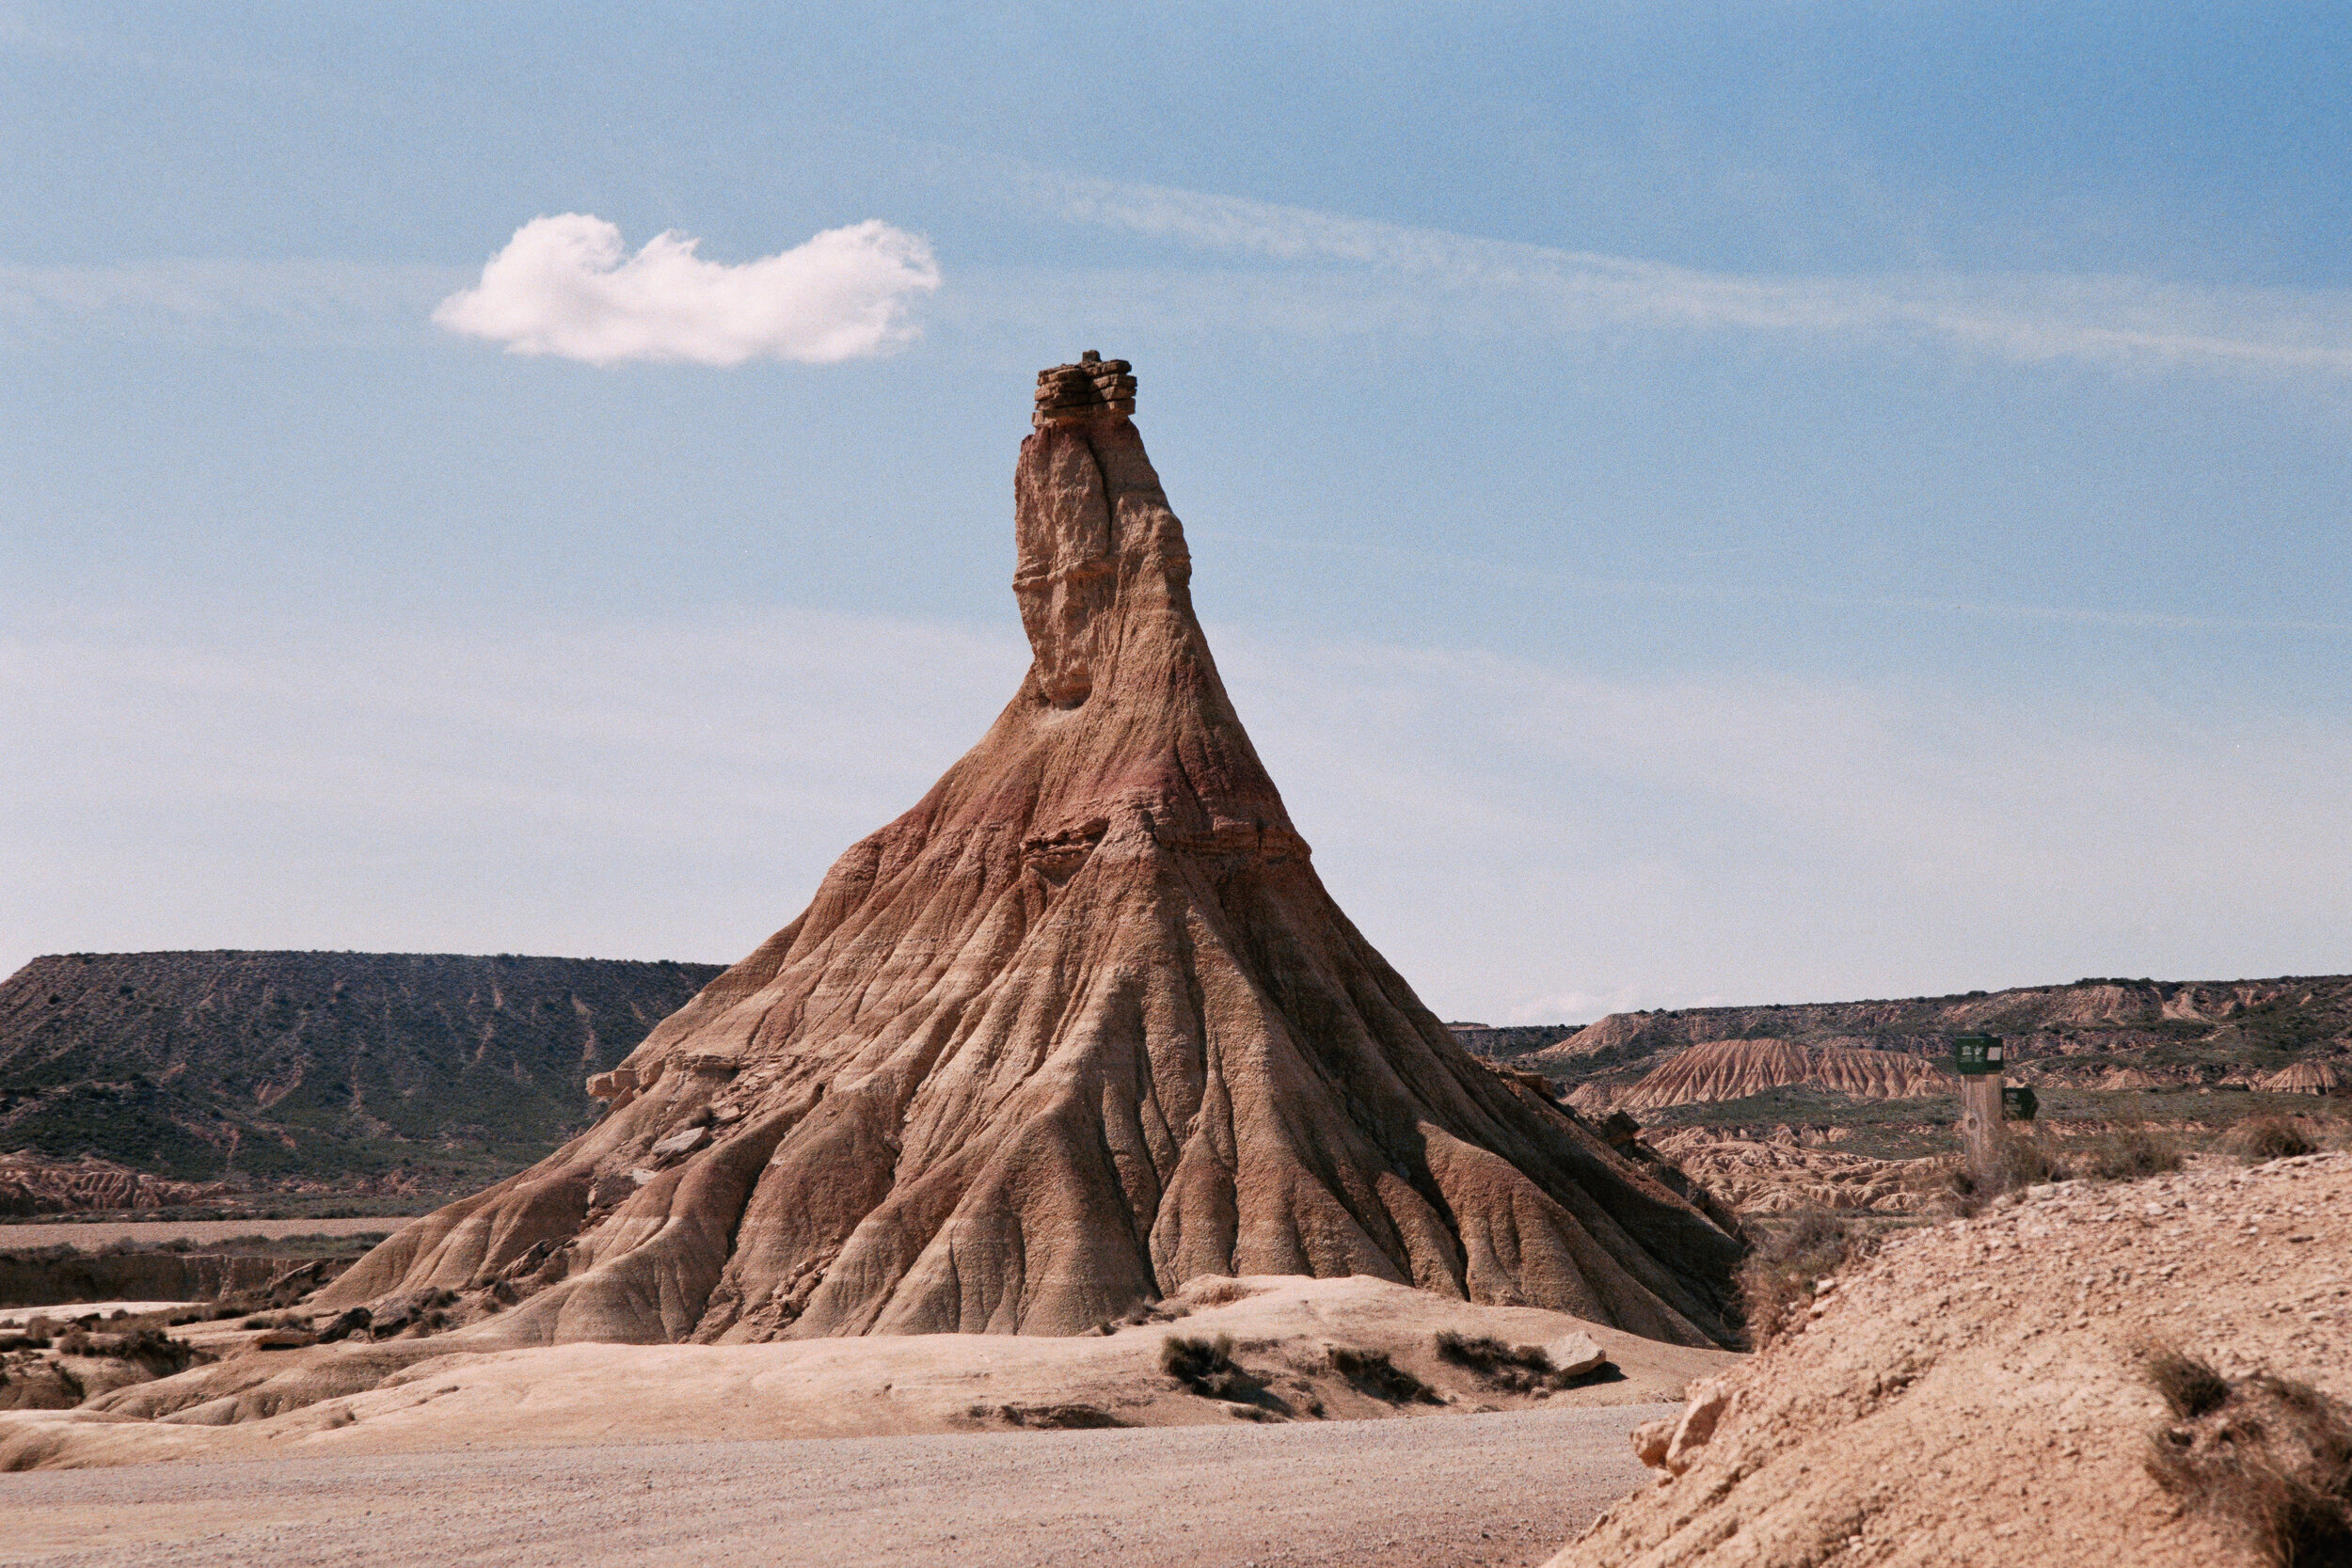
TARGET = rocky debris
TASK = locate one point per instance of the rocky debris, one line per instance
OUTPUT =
(1079, 1027)
(1789, 1176)
(1976, 1390)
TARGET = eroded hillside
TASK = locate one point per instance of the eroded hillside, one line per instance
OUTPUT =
(320, 1069)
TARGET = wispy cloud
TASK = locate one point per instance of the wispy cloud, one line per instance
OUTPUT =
(182, 298)
(1527, 841)
(565, 286)
(2116, 320)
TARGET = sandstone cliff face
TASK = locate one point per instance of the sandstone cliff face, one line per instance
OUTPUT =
(1079, 1027)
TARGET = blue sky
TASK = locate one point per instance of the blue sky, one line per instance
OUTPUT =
(1747, 503)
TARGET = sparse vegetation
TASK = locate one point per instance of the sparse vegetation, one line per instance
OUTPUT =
(1054, 1417)
(1207, 1367)
(151, 1347)
(1376, 1374)
(2260, 1138)
(1780, 1275)
(2268, 1457)
(2189, 1385)
(1520, 1369)
(2127, 1153)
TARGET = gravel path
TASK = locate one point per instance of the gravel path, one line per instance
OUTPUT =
(69, 1233)
(1431, 1492)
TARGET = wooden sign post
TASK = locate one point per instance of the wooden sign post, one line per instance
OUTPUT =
(1978, 1059)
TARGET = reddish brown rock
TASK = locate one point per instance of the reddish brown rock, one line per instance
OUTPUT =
(1081, 1026)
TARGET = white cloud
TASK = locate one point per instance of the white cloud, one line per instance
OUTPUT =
(565, 286)
(1439, 277)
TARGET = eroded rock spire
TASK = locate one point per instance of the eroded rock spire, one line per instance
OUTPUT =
(1081, 1025)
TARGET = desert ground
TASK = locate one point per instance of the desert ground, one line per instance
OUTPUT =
(1981, 1391)
(454, 1391)
(880, 1449)
(1472, 1489)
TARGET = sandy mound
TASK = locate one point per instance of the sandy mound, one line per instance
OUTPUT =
(1974, 1393)
(411, 1395)
(1079, 1027)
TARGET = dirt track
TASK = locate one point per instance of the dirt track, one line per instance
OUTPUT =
(1458, 1490)
(97, 1233)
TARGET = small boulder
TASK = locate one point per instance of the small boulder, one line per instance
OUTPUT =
(354, 1321)
(1576, 1355)
(1651, 1440)
(681, 1143)
(284, 1339)
(1710, 1401)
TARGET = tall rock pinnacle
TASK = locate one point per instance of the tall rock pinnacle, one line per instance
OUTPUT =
(1080, 1026)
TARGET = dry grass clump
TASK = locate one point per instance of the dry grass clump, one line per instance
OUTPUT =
(1376, 1374)
(1778, 1279)
(2269, 1457)
(2189, 1385)
(2260, 1138)
(1207, 1367)
(2127, 1153)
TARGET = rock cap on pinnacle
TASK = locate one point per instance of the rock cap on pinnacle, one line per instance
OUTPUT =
(1092, 388)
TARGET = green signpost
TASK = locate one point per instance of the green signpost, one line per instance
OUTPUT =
(1974, 1055)
(2019, 1105)
(1978, 1059)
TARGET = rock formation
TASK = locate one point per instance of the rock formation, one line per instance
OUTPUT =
(30, 1185)
(1733, 1069)
(1081, 1026)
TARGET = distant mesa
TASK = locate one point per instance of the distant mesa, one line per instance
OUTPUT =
(1081, 1026)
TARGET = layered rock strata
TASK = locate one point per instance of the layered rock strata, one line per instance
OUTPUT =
(1081, 1026)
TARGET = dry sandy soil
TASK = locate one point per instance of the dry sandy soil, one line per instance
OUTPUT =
(1473, 1489)
(435, 1394)
(1976, 1393)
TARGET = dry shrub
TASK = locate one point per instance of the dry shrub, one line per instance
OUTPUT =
(1376, 1374)
(2128, 1153)
(1776, 1281)
(2189, 1385)
(1057, 1418)
(1221, 1292)
(2260, 1138)
(1520, 1369)
(2269, 1458)
(1207, 1367)
(151, 1347)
